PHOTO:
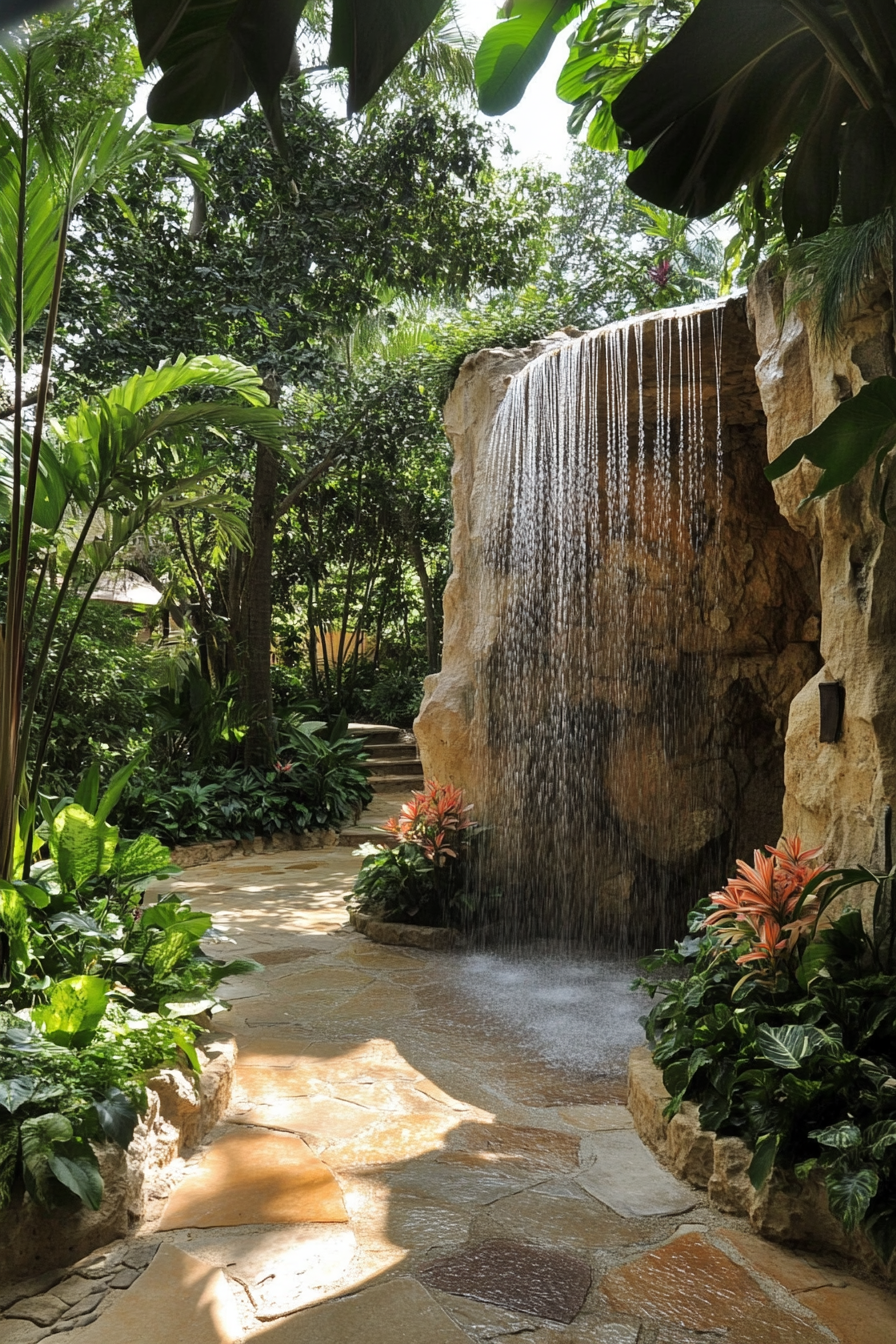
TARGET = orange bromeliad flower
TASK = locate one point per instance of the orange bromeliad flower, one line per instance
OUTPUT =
(434, 820)
(760, 905)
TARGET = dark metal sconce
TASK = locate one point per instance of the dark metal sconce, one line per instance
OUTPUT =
(832, 699)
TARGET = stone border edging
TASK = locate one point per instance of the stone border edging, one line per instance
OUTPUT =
(213, 851)
(785, 1209)
(403, 935)
(180, 1112)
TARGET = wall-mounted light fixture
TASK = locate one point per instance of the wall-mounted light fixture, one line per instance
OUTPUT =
(831, 702)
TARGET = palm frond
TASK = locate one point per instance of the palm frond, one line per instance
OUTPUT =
(831, 271)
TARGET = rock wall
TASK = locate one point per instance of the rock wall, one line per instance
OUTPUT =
(835, 792)
(666, 803)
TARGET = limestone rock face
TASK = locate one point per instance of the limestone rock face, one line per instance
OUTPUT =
(835, 791)
(678, 663)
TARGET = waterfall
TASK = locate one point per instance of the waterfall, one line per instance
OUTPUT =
(597, 729)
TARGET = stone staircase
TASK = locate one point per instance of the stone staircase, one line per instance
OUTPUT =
(395, 771)
(394, 766)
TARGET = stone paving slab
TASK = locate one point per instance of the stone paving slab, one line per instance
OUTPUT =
(393, 1141)
(596, 1119)
(282, 1269)
(319, 1117)
(253, 1176)
(624, 1174)
(177, 1300)
(691, 1284)
(399, 1312)
(514, 1274)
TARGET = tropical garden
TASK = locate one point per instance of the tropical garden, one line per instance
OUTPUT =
(228, 328)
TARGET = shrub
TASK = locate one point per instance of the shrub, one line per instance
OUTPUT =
(421, 880)
(784, 1032)
(316, 782)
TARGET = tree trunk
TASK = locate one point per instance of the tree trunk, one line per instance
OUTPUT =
(260, 741)
(433, 659)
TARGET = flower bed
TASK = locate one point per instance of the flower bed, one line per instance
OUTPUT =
(774, 1028)
(183, 1107)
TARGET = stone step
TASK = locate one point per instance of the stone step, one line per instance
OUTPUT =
(405, 765)
(354, 836)
(395, 783)
(376, 733)
(394, 750)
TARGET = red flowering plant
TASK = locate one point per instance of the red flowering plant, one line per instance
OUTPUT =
(767, 912)
(422, 877)
(776, 1017)
(435, 820)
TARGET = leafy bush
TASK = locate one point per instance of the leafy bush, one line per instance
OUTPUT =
(100, 713)
(98, 990)
(80, 914)
(317, 782)
(65, 1083)
(421, 880)
(784, 1033)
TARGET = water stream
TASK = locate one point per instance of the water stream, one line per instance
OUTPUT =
(604, 487)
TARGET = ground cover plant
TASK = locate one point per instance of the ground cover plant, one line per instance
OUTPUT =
(781, 1027)
(421, 880)
(96, 991)
(318, 780)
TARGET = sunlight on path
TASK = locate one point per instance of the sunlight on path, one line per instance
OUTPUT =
(416, 1154)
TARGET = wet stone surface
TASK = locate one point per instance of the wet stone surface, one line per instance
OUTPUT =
(515, 1275)
(387, 1128)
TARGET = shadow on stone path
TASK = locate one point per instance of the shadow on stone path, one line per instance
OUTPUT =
(393, 1171)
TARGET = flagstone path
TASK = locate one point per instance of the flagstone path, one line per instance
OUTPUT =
(394, 1169)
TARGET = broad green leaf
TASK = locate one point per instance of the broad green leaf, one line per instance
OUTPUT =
(176, 945)
(168, 914)
(78, 1170)
(40, 1137)
(36, 897)
(188, 1005)
(847, 440)
(515, 48)
(82, 846)
(239, 966)
(14, 924)
(117, 1116)
(88, 791)
(842, 1136)
(717, 103)
(75, 1009)
(764, 1155)
(879, 1137)
(370, 37)
(786, 1047)
(14, 1092)
(9, 1158)
(850, 1193)
(140, 858)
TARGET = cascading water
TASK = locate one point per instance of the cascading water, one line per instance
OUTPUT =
(598, 734)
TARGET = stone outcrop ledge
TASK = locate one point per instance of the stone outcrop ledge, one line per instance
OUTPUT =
(784, 1210)
(182, 1109)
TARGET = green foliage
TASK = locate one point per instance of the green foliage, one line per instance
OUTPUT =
(422, 879)
(397, 884)
(802, 1069)
(100, 712)
(857, 430)
(214, 56)
(57, 1096)
(317, 782)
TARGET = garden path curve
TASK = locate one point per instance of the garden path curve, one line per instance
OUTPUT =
(395, 1170)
